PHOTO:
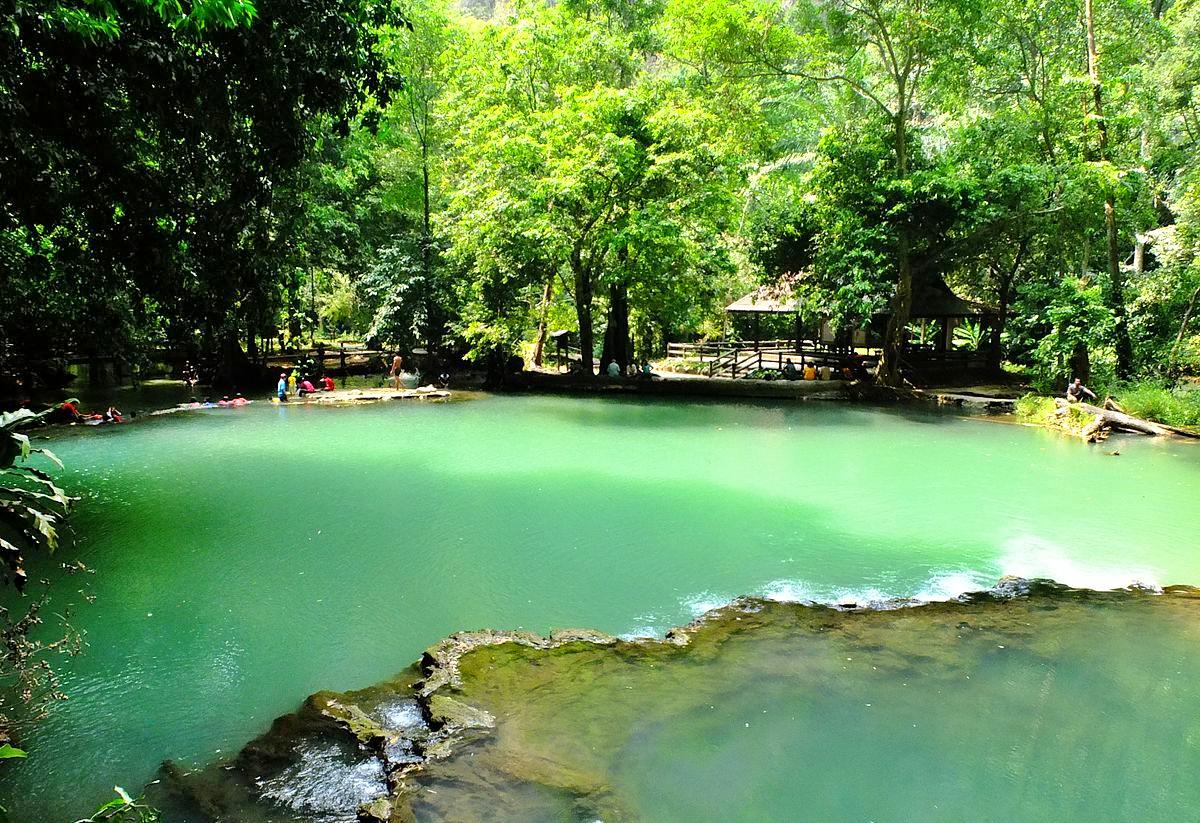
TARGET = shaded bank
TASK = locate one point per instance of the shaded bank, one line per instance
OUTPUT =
(1029, 701)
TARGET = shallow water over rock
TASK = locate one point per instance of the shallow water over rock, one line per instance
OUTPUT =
(1024, 703)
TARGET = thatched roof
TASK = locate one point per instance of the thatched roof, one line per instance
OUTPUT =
(778, 299)
(933, 298)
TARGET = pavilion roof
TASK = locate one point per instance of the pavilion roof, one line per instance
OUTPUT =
(933, 298)
(774, 299)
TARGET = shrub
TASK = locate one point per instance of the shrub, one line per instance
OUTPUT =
(1158, 402)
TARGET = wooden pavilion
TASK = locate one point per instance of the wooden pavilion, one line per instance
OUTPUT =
(777, 299)
(933, 301)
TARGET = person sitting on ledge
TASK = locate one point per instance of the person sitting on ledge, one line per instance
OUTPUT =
(1076, 391)
(327, 383)
(306, 387)
(67, 412)
(614, 368)
(789, 370)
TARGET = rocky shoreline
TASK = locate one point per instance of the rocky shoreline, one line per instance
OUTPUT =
(378, 755)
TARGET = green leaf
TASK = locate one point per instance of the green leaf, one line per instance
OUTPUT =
(49, 455)
(9, 752)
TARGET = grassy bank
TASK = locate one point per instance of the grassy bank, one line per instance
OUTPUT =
(1170, 405)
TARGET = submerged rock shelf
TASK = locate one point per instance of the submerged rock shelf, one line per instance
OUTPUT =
(735, 707)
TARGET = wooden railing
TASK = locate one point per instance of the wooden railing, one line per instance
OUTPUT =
(716, 348)
(743, 362)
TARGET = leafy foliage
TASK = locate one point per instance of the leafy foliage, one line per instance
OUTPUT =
(33, 514)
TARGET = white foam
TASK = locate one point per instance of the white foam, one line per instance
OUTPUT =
(954, 584)
(789, 591)
(705, 602)
(1031, 556)
(942, 586)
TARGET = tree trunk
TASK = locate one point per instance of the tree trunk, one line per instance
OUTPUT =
(1124, 346)
(616, 333)
(1080, 364)
(432, 323)
(583, 312)
(888, 372)
(540, 346)
(1183, 324)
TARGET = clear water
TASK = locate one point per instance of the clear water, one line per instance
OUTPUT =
(248, 557)
(988, 712)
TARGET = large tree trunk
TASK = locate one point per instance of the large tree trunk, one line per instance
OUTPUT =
(1116, 279)
(888, 372)
(233, 367)
(1080, 364)
(583, 312)
(1004, 286)
(616, 333)
(539, 346)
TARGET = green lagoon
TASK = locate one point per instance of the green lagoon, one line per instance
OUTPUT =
(246, 558)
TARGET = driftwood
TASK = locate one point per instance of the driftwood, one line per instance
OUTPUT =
(1113, 418)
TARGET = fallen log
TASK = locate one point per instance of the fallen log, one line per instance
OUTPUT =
(1110, 418)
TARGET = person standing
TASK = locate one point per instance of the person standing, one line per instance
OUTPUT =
(281, 389)
(397, 368)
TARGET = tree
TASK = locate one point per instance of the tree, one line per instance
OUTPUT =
(170, 138)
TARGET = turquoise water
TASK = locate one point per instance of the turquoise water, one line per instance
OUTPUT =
(1061, 706)
(248, 557)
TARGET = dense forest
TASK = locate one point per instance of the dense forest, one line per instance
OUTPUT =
(216, 177)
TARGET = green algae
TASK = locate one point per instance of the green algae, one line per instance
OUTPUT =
(1068, 700)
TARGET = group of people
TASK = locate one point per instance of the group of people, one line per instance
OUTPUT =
(294, 384)
(644, 371)
(68, 412)
(853, 369)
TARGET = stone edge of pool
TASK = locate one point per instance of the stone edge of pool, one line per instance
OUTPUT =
(448, 723)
